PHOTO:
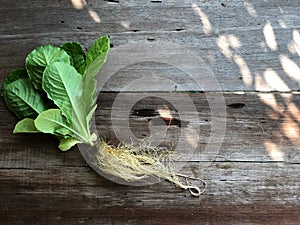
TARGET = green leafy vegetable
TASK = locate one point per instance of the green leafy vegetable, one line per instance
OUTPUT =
(23, 99)
(67, 143)
(96, 57)
(52, 122)
(26, 126)
(39, 58)
(16, 74)
(64, 76)
(78, 56)
(61, 82)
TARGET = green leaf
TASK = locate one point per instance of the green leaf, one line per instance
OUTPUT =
(39, 58)
(64, 132)
(23, 99)
(50, 121)
(90, 116)
(16, 74)
(66, 143)
(78, 57)
(61, 83)
(25, 126)
(53, 122)
(96, 57)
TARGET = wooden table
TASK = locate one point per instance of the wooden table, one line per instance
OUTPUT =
(252, 50)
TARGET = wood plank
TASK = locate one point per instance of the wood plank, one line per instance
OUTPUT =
(72, 195)
(251, 47)
(236, 68)
(244, 183)
(255, 123)
(170, 13)
(259, 67)
(254, 130)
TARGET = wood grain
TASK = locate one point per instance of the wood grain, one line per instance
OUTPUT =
(138, 22)
(243, 179)
(251, 48)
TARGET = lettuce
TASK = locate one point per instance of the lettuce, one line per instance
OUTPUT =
(56, 93)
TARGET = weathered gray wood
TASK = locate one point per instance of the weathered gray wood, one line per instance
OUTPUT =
(252, 179)
(250, 130)
(243, 181)
(134, 22)
(72, 195)
(252, 126)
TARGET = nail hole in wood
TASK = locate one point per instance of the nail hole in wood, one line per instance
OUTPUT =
(223, 4)
(112, 1)
(145, 112)
(150, 39)
(179, 29)
(79, 28)
(262, 120)
(236, 105)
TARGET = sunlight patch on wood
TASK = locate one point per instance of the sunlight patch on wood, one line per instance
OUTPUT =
(282, 24)
(234, 41)
(206, 25)
(78, 4)
(244, 70)
(94, 16)
(274, 152)
(231, 41)
(165, 113)
(291, 129)
(274, 115)
(290, 67)
(288, 97)
(275, 81)
(296, 39)
(126, 24)
(270, 100)
(224, 46)
(250, 9)
(226, 42)
(294, 111)
(260, 83)
(270, 36)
